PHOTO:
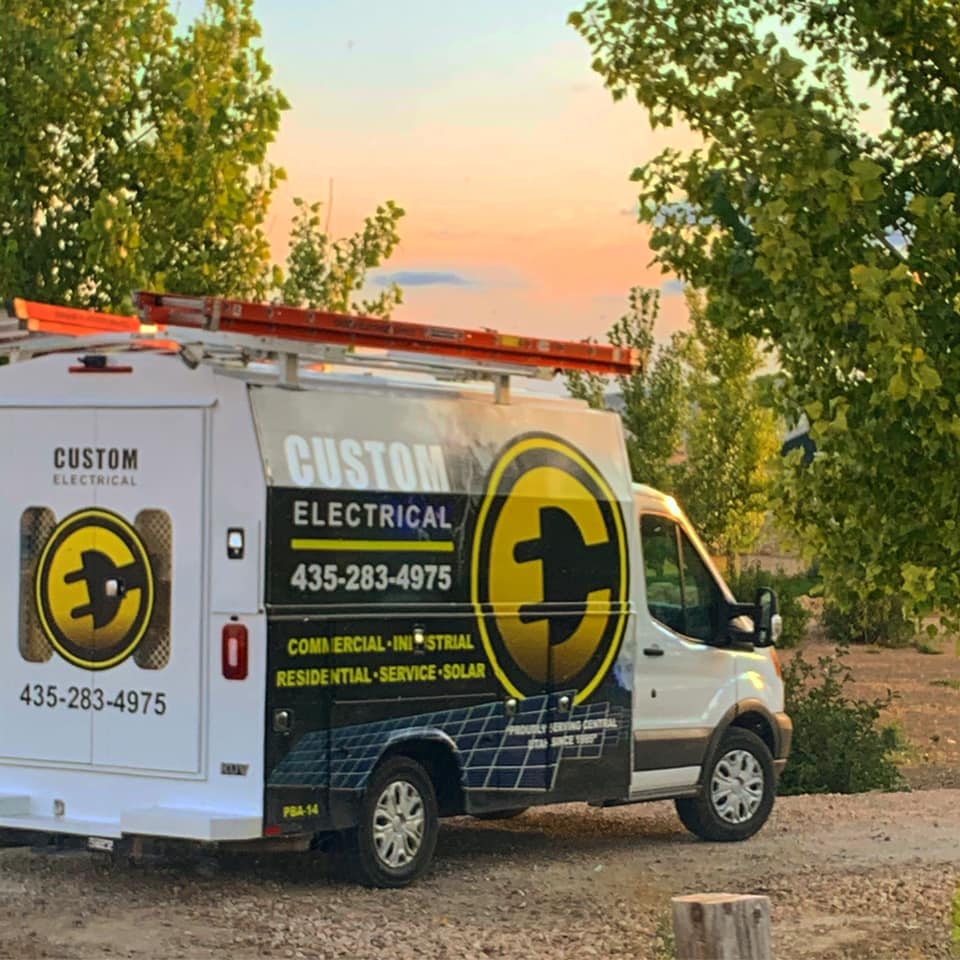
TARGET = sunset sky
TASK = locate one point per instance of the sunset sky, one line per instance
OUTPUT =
(486, 124)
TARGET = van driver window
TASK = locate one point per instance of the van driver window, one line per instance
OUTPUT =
(681, 592)
(701, 595)
(661, 564)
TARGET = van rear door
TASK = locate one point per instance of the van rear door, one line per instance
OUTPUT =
(102, 586)
(41, 717)
(152, 697)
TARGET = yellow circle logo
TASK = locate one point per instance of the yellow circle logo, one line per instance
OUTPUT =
(94, 589)
(549, 569)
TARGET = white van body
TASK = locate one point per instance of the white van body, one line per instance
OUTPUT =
(397, 569)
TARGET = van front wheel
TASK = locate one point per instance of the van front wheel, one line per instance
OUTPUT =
(737, 790)
(394, 841)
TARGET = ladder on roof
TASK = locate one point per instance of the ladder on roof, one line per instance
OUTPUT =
(214, 329)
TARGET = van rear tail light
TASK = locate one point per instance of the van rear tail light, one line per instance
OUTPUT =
(235, 651)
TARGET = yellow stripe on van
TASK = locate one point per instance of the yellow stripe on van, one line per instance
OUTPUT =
(397, 546)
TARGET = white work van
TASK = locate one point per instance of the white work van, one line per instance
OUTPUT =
(250, 602)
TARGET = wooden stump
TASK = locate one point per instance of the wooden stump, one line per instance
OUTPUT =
(722, 926)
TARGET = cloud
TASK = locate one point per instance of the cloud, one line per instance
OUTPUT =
(672, 288)
(423, 278)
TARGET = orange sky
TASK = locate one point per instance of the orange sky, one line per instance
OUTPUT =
(509, 157)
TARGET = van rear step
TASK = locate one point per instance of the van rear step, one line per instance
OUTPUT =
(177, 822)
(140, 848)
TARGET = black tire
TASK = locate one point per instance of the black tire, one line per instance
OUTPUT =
(391, 862)
(715, 813)
(500, 814)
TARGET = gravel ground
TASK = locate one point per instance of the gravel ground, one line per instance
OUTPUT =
(868, 876)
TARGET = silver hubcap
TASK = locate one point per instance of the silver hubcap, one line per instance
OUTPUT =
(398, 821)
(736, 788)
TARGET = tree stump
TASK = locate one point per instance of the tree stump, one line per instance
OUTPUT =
(722, 926)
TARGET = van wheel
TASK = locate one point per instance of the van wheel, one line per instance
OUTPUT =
(500, 814)
(737, 790)
(394, 841)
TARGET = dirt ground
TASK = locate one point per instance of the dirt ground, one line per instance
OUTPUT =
(850, 878)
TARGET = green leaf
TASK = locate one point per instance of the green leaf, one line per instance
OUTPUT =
(867, 279)
(866, 170)
(790, 67)
(898, 387)
(928, 377)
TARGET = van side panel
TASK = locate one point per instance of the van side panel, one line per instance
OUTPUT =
(443, 570)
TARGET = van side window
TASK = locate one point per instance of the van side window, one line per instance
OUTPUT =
(661, 565)
(701, 595)
(681, 592)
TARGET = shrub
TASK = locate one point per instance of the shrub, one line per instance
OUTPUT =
(788, 589)
(839, 745)
(876, 621)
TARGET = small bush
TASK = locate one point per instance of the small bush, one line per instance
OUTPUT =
(788, 589)
(664, 944)
(839, 745)
(877, 621)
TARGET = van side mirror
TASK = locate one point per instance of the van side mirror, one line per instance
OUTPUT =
(758, 624)
(769, 623)
(737, 624)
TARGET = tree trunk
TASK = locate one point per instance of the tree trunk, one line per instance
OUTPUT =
(722, 926)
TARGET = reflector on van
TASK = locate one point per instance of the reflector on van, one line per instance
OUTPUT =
(235, 652)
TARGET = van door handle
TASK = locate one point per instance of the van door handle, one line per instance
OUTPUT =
(653, 651)
(282, 721)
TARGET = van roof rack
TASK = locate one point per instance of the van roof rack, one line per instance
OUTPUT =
(237, 332)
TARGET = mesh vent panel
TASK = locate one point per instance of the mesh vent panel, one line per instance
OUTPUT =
(155, 528)
(36, 526)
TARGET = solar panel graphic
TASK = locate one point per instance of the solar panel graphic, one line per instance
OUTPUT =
(496, 751)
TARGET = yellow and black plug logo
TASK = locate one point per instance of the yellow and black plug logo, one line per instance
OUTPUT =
(94, 589)
(549, 569)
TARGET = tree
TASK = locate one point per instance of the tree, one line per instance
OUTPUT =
(694, 421)
(132, 156)
(325, 273)
(653, 398)
(731, 437)
(837, 243)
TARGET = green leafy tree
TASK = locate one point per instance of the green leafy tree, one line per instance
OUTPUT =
(694, 418)
(330, 273)
(132, 155)
(653, 398)
(836, 243)
(731, 438)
